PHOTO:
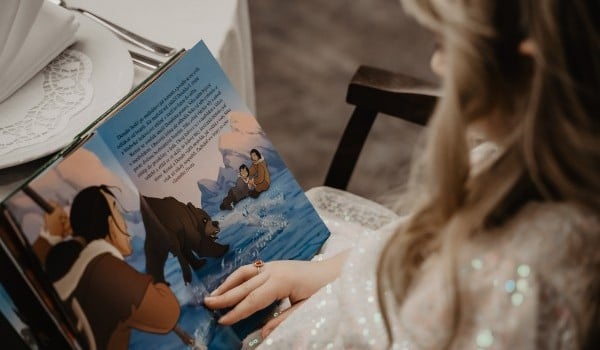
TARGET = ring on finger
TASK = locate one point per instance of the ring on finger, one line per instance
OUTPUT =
(259, 264)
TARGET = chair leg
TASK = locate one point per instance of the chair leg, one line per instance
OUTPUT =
(349, 148)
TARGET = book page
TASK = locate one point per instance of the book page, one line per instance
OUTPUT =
(195, 186)
(167, 138)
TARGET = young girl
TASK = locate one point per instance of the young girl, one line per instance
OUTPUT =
(501, 255)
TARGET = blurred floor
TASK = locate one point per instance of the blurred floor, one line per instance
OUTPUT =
(305, 53)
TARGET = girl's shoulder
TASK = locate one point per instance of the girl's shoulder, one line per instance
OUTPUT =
(546, 231)
(528, 284)
(538, 265)
(559, 242)
(555, 223)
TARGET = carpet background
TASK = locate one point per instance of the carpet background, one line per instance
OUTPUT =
(305, 53)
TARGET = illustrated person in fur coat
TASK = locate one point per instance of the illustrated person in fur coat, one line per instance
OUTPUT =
(259, 174)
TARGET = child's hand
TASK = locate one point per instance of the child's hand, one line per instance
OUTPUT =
(250, 291)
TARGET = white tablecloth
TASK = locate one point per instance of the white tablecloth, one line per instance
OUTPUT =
(224, 26)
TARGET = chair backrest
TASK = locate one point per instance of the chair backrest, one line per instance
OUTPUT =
(375, 91)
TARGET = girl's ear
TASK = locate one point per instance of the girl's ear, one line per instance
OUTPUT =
(528, 48)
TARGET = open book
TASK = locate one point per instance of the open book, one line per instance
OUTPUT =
(166, 194)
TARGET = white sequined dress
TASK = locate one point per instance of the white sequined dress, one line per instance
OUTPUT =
(522, 288)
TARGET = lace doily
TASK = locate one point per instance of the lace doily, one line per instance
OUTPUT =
(62, 90)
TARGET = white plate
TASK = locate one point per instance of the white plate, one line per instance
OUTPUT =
(112, 78)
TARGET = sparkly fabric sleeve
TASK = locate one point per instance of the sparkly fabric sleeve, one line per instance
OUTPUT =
(525, 285)
(530, 289)
(344, 313)
(498, 303)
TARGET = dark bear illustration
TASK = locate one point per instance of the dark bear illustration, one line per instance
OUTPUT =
(182, 229)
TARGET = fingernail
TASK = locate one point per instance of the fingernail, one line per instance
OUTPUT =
(213, 293)
(221, 320)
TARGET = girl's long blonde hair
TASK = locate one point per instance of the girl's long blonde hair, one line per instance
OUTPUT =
(548, 103)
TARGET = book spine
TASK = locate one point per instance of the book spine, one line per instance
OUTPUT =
(38, 308)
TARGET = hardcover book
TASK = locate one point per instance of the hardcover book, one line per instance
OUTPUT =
(118, 239)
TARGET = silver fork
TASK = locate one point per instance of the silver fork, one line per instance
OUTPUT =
(123, 33)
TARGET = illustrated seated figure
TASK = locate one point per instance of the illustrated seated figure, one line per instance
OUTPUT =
(56, 228)
(107, 296)
(259, 174)
(241, 190)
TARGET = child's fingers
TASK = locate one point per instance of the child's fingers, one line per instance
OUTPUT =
(236, 294)
(256, 300)
(238, 277)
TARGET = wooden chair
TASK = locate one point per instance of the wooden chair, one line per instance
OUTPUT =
(375, 91)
